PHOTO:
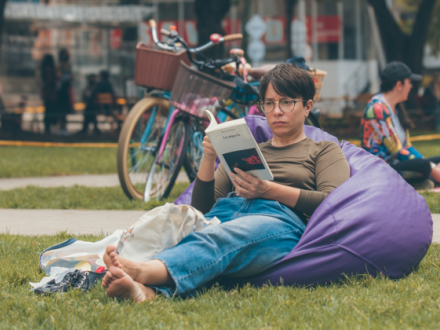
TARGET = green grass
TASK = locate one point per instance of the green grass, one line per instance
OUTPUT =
(79, 197)
(354, 303)
(85, 198)
(428, 148)
(433, 201)
(17, 162)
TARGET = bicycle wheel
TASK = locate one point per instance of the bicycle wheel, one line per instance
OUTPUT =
(165, 169)
(194, 152)
(141, 134)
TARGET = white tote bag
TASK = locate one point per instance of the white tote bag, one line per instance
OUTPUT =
(160, 229)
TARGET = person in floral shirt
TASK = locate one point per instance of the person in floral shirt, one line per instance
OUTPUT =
(385, 124)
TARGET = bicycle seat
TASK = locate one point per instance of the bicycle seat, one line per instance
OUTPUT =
(259, 72)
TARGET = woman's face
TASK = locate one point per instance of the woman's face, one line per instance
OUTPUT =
(404, 89)
(288, 124)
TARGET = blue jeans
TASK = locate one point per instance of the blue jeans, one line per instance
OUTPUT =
(254, 234)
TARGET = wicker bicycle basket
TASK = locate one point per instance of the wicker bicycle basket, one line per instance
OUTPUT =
(195, 91)
(156, 68)
(318, 77)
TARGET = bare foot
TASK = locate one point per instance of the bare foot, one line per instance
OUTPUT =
(118, 284)
(107, 259)
(137, 270)
(152, 272)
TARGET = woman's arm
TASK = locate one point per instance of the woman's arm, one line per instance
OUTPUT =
(207, 166)
(209, 184)
(378, 130)
(331, 170)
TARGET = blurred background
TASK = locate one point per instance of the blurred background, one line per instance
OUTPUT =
(350, 39)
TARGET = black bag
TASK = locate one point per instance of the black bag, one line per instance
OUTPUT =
(81, 280)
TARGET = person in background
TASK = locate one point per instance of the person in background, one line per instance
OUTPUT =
(90, 110)
(385, 125)
(431, 99)
(49, 94)
(104, 86)
(65, 90)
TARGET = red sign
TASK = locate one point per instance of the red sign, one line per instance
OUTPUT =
(115, 38)
(328, 30)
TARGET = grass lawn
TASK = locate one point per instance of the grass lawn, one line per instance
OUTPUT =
(79, 197)
(428, 148)
(112, 198)
(39, 161)
(17, 162)
(354, 303)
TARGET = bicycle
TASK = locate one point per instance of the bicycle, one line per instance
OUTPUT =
(153, 138)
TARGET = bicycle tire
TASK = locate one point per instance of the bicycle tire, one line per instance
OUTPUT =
(164, 172)
(312, 121)
(194, 154)
(134, 147)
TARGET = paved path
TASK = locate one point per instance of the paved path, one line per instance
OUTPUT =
(49, 222)
(101, 180)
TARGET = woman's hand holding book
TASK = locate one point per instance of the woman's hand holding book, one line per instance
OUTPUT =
(248, 186)
(208, 150)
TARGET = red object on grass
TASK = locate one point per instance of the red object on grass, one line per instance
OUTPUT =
(100, 269)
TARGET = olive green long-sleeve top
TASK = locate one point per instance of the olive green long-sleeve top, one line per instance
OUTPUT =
(316, 168)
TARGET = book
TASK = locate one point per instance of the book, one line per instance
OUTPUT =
(236, 147)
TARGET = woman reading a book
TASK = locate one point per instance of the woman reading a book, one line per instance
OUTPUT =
(261, 221)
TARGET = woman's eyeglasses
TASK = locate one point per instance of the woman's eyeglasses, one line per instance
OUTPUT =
(286, 105)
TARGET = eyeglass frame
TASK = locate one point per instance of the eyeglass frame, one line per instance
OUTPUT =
(278, 102)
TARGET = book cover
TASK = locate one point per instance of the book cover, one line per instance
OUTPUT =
(236, 147)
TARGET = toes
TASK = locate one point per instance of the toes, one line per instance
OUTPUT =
(115, 260)
(116, 272)
(110, 248)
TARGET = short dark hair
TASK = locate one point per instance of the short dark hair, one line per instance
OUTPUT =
(289, 80)
(388, 85)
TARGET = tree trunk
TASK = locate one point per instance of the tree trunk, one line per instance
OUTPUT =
(417, 40)
(210, 14)
(398, 45)
(290, 8)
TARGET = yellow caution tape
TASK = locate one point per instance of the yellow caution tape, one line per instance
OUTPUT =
(413, 139)
(425, 137)
(355, 142)
(56, 144)
(115, 145)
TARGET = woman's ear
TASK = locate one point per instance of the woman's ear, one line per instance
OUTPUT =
(398, 86)
(308, 107)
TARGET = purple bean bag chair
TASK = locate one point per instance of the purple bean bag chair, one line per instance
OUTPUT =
(374, 222)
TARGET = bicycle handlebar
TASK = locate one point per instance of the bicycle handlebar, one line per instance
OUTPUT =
(165, 33)
(153, 26)
(233, 37)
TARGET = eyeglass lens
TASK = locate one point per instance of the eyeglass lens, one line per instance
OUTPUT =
(285, 105)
